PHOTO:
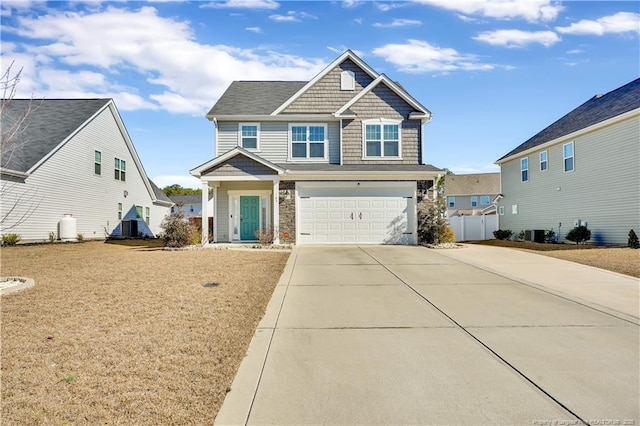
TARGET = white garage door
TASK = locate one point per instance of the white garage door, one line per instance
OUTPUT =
(355, 219)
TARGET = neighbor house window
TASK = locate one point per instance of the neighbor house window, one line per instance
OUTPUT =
(120, 169)
(308, 141)
(381, 138)
(119, 211)
(501, 210)
(543, 161)
(567, 149)
(249, 135)
(451, 201)
(138, 212)
(485, 200)
(524, 169)
(474, 201)
(97, 162)
(147, 214)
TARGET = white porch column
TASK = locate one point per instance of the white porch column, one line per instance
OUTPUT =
(215, 214)
(276, 211)
(204, 239)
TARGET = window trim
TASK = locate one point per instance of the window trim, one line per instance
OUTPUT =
(347, 81)
(122, 171)
(139, 212)
(572, 157)
(308, 159)
(97, 165)
(451, 202)
(240, 137)
(524, 169)
(474, 201)
(545, 161)
(501, 210)
(381, 122)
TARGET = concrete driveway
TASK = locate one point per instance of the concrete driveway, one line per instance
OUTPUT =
(365, 335)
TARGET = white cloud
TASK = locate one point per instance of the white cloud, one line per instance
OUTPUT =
(387, 6)
(398, 23)
(242, 4)
(256, 30)
(621, 22)
(530, 10)
(350, 4)
(575, 51)
(465, 18)
(418, 56)
(292, 16)
(518, 38)
(98, 48)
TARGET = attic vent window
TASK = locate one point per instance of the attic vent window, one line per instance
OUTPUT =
(347, 80)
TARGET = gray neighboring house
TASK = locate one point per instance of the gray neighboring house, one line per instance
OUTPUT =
(471, 194)
(190, 205)
(582, 169)
(74, 157)
(337, 159)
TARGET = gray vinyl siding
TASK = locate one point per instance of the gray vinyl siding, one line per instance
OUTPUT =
(274, 140)
(66, 183)
(463, 202)
(223, 216)
(603, 189)
(325, 95)
(382, 102)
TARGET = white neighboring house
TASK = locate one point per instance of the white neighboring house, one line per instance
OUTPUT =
(75, 157)
(190, 205)
(584, 168)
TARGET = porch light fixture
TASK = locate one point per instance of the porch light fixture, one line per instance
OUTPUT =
(126, 193)
(287, 194)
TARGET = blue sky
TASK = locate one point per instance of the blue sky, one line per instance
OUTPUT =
(493, 72)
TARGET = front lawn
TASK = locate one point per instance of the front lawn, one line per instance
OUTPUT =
(130, 335)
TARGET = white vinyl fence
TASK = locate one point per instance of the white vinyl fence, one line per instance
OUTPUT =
(469, 228)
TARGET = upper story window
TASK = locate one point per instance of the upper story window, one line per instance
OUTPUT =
(347, 80)
(120, 211)
(120, 172)
(485, 200)
(544, 165)
(97, 162)
(524, 169)
(567, 150)
(474, 201)
(381, 139)
(138, 212)
(451, 201)
(308, 142)
(249, 135)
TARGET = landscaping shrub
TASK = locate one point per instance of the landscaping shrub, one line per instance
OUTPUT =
(579, 235)
(633, 240)
(431, 222)
(503, 234)
(265, 236)
(177, 231)
(10, 239)
(448, 235)
(550, 236)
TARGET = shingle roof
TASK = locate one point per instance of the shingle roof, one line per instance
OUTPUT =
(188, 199)
(255, 97)
(595, 110)
(161, 196)
(48, 123)
(472, 184)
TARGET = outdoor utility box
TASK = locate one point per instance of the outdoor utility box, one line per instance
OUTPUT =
(534, 235)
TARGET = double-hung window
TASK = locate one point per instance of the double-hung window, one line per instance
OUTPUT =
(97, 162)
(524, 169)
(381, 139)
(485, 200)
(308, 142)
(120, 169)
(138, 212)
(120, 211)
(544, 165)
(567, 150)
(474, 201)
(451, 201)
(147, 214)
(250, 135)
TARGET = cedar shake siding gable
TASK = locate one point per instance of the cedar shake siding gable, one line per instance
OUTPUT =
(381, 102)
(325, 97)
(240, 166)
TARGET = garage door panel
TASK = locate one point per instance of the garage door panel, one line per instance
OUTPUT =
(353, 219)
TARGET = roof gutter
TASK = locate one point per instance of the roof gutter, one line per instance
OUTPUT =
(14, 173)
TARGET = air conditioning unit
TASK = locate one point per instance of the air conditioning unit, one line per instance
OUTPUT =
(580, 222)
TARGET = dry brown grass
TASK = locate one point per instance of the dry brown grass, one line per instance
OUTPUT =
(621, 259)
(122, 335)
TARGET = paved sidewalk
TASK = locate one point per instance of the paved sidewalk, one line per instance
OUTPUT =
(407, 335)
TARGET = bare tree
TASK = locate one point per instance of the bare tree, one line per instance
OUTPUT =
(17, 202)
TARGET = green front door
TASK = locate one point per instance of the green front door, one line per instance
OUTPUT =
(249, 217)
